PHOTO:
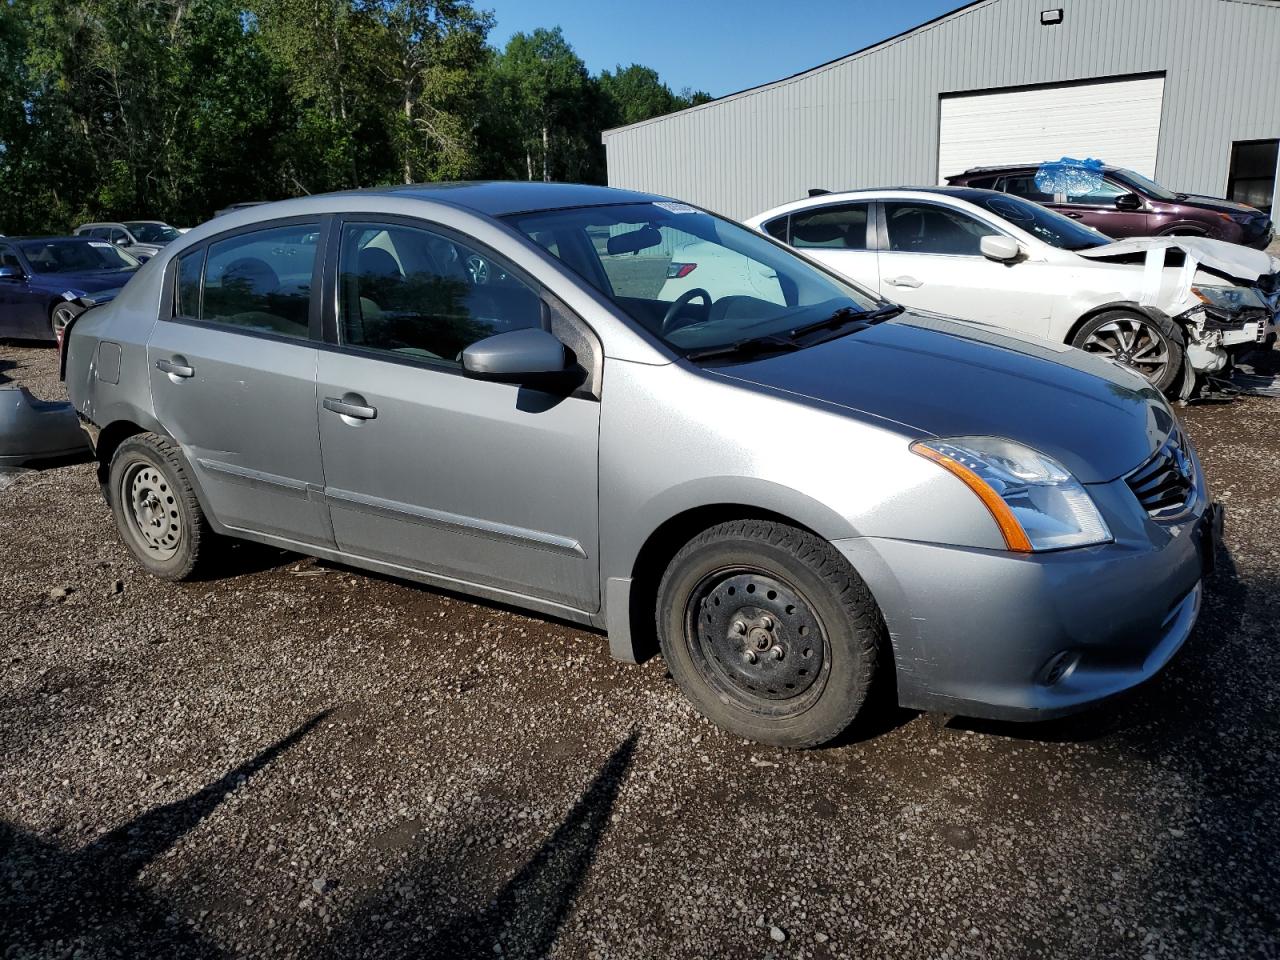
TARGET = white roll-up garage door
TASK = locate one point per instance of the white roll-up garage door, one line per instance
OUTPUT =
(1116, 121)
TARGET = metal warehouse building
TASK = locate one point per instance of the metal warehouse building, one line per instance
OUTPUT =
(1187, 91)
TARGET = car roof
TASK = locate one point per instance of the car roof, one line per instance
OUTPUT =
(49, 238)
(101, 223)
(1006, 167)
(500, 198)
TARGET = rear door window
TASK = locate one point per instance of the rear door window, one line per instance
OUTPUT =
(257, 281)
(1024, 185)
(837, 227)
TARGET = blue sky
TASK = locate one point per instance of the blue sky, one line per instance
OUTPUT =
(715, 45)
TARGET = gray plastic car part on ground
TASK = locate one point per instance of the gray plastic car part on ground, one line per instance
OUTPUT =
(32, 430)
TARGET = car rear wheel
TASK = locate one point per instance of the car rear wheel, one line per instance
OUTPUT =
(769, 632)
(1153, 349)
(155, 507)
(61, 315)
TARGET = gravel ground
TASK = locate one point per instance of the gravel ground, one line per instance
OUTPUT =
(295, 759)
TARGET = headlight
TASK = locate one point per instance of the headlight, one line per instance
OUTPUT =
(1035, 501)
(1231, 299)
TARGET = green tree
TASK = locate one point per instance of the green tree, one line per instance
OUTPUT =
(636, 93)
(431, 53)
(554, 102)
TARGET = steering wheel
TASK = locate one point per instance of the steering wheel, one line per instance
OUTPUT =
(679, 303)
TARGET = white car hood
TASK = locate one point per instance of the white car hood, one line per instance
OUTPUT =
(1232, 259)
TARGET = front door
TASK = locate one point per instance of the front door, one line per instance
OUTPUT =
(233, 378)
(1096, 206)
(840, 236)
(931, 259)
(474, 482)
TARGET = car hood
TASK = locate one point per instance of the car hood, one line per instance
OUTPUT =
(1235, 260)
(1218, 205)
(952, 378)
(77, 284)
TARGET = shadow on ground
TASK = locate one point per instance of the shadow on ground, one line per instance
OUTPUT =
(52, 899)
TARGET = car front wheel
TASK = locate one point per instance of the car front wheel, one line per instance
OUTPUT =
(769, 632)
(61, 315)
(1153, 349)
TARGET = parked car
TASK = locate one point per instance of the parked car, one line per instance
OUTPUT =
(804, 498)
(140, 238)
(1169, 307)
(1124, 203)
(45, 281)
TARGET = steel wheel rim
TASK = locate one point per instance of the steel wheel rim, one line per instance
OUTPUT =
(151, 510)
(1135, 343)
(757, 641)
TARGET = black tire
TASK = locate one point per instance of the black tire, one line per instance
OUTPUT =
(147, 486)
(61, 314)
(1161, 333)
(818, 595)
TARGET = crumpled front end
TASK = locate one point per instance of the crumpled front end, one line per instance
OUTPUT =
(1225, 297)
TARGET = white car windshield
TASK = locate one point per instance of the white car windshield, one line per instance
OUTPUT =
(698, 282)
(1044, 224)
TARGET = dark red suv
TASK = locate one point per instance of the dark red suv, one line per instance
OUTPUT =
(1126, 204)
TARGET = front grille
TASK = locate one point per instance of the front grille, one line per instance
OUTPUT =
(1166, 483)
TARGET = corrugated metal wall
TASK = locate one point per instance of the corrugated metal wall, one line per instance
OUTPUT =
(872, 119)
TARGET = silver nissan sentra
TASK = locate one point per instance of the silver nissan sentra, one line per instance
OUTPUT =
(512, 390)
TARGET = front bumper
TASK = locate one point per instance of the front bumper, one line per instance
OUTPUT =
(1006, 636)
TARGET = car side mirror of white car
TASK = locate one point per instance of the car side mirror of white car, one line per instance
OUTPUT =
(1003, 249)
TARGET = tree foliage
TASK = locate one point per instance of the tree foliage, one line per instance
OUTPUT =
(114, 109)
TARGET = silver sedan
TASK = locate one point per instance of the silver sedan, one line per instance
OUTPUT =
(799, 491)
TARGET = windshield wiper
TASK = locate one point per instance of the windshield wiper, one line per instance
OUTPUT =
(752, 346)
(848, 315)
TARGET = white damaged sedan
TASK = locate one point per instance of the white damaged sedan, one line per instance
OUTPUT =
(1171, 308)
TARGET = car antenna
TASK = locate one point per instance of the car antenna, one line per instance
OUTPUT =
(818, 192)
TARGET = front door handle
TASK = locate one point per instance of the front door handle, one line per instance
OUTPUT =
(903, 282)
(176, 367)
(351, 405)
(1076, 216)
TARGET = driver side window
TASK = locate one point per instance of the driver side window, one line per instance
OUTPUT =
(421, 295)
(1103, 194)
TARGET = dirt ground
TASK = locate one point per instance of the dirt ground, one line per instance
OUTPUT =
(296, 759)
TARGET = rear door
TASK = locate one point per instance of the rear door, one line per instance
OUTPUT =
(233, 377)
(930, 258)
(472, 481)
(842, 237)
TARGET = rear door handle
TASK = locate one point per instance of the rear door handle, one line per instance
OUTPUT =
(903, 282)
(351, 405)
(176, 368)
(1076, 216)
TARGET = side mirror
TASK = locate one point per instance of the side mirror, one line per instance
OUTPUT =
(122, 241)
(10, 273)
(1128, 201)
(1003, 249)
(531, 356)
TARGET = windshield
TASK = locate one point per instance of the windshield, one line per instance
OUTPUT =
(694, 280)
(1047, 225)
(76, 256)
(152, 232)
(1145, 184)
